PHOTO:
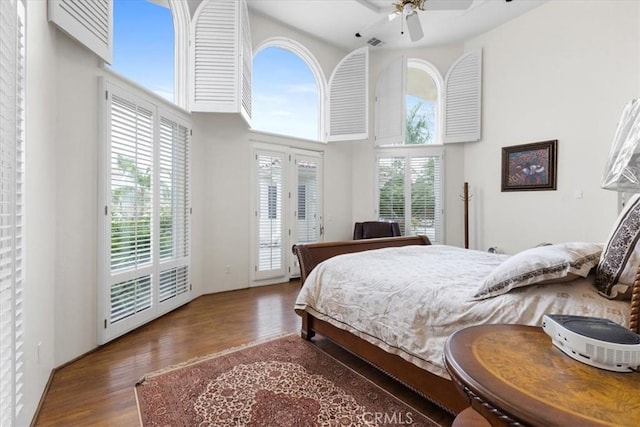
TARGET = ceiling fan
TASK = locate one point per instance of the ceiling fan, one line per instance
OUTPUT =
(408, 10)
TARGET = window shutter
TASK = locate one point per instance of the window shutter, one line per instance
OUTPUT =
(269, 213)
(89, 22)
(247, 63)
(463, 97)
(349, 97)
(132, 186)
(410, 193)
(391, 190)
(12, 158)
(426, 203)
(390, 116)
(308, 215)
(174, 208)
(221, 58)
(146, 229)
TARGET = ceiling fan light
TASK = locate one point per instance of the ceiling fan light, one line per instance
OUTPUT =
(414, 27)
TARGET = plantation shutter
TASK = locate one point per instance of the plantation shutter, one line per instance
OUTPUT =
(89, 22)
(308, 212)
(146, 237)
(269, 213)
(391, 190)
(410, 193)
(349, 97)
(221, 58)
(174, 209)
(390, 114)
(12, 158)
(247, 63)
(463, 98)
(131, 209)
(426, 200)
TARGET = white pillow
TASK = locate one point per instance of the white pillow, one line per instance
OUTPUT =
(549, 264)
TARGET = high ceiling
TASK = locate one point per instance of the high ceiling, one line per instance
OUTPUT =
(337, 21)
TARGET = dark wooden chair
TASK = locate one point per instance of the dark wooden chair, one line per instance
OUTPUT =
(375, 230)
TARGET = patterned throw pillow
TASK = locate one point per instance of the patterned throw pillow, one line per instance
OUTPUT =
(620, 258)
(540, 265)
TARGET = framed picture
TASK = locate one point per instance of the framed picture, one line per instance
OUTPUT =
(529, 166)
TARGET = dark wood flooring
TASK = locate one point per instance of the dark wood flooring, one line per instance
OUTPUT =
(97, 389)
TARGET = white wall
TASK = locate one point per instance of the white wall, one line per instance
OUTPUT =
(364, 170)
(41, 192)
(562, 71)
(222, 178)
(77, 200)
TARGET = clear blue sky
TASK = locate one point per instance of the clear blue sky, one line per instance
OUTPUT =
(143, 44)
(285, 94)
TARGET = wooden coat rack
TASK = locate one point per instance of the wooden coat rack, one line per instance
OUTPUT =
(465, 198)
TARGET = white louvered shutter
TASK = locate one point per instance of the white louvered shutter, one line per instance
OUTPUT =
(89, 22)
(12, 169)
(308, 209)
(410, 193)
(221, 56)
(146, 243)
(247, 63)
(270, 173)
(131, 157)
(463, 99)
(174, 210)
(390, 114)
(349, 97)
(426, 200)
(391, 189)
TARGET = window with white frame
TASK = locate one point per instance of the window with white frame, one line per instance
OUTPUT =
(409, 192)
(409, 104)
(287, 93)
(12, 169)
(145, 240)
(422, 104)
(415, 106)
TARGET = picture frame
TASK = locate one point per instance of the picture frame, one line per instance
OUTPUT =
(530, 167)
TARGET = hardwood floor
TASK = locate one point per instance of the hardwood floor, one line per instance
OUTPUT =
(97, 389)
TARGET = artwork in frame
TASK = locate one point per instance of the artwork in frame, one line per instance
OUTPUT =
(530, 166)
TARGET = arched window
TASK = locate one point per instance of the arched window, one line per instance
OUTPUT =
(409, 96)
(423, 103)
(150, 45)
(288, 89)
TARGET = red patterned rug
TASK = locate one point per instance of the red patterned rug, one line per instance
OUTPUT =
(283, 382)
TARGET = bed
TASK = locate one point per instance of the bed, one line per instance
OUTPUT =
(377, 300)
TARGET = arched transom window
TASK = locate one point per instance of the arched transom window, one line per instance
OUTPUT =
(288, 89)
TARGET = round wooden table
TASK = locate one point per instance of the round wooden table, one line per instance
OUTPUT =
(513, 374)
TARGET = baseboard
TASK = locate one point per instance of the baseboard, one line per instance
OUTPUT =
(50, 380)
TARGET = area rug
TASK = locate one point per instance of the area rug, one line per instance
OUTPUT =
(282, 382)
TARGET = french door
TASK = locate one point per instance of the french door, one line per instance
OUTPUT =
(287, 209)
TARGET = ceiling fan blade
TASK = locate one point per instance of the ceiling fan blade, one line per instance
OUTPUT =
(414, 27)
(447, 4)
(369, 30)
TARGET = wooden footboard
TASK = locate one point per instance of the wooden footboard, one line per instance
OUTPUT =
(436, 389)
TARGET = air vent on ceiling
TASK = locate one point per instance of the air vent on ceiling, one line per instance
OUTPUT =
(374, 41)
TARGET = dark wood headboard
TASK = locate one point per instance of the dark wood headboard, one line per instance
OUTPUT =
(312, 254)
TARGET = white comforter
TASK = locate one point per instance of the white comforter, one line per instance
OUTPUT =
(408, 300)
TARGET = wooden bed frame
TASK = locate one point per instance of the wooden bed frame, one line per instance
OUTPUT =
(438, 390)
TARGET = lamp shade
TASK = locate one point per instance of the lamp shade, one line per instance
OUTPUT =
(622, 170)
